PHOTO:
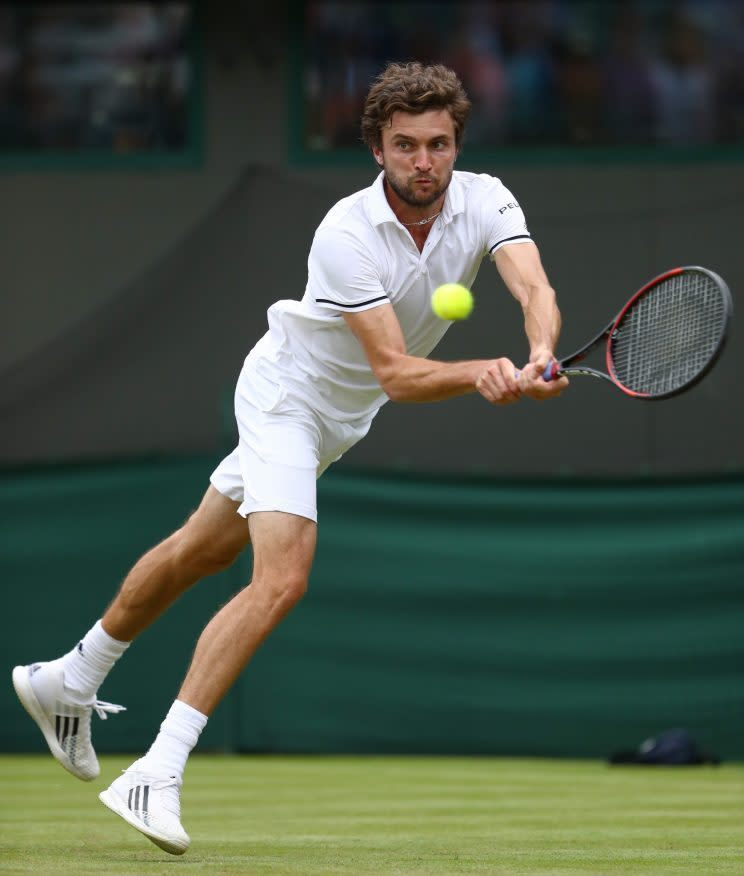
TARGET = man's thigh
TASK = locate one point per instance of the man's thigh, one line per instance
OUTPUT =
(283, 544)
(217, 524)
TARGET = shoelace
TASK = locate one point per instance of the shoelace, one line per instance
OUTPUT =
(104, 709)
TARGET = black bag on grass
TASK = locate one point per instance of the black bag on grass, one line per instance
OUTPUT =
(670, 748)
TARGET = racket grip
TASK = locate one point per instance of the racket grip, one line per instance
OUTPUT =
(551, 370)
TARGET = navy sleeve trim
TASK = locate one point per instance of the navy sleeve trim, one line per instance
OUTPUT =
(507, 239)
(358, 303)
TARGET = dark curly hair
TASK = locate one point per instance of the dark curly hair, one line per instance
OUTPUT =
(413, 88)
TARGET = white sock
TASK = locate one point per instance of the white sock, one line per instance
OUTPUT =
(178, 734)
(90, 661)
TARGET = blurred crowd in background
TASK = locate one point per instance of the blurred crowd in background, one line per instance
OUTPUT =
(95, 76)
(119, 76)
(541, 72)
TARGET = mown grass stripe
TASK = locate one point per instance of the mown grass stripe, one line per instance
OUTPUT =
(389, 815)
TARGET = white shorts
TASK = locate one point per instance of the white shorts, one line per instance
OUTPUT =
(283, 448)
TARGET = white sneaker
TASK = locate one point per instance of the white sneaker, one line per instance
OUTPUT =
(64, 723)
(152, 805)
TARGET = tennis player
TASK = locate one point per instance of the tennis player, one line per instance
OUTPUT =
(308, 391)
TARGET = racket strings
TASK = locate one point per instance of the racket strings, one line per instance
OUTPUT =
(668, 336)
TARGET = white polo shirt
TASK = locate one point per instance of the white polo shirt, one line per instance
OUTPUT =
(362, 257)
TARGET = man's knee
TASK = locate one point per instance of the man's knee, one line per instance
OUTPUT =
(284, 591)
(295, 587)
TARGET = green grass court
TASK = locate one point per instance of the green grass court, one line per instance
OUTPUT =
(386, 815)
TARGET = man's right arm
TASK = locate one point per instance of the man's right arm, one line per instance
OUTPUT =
(407, 378)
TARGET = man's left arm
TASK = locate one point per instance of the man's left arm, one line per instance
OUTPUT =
(521, 270)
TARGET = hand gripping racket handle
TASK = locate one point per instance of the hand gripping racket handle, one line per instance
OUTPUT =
(552, 371)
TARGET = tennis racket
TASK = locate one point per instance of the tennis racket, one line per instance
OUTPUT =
(665, 339)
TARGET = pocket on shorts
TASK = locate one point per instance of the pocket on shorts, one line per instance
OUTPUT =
(262, 393)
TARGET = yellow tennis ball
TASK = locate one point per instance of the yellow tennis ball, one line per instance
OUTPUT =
(452, 301)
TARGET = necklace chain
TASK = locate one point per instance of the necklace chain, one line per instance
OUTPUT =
(422, 221)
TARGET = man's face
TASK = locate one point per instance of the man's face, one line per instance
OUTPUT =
(418, 155)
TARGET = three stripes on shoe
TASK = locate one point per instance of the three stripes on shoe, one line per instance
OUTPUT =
(133, 802)
(66, 729)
